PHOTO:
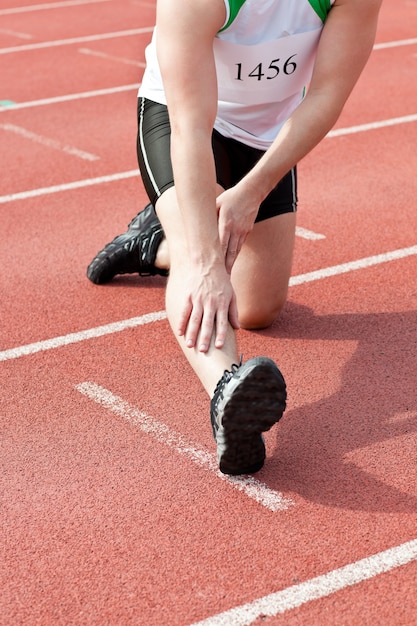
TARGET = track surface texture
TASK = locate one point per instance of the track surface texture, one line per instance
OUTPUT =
(113, 511)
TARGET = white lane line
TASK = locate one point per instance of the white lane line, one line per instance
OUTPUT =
(50, 5)
(395, 44)
(14, 33)
(108, 329)
(83, 335)
(308, 234)
(49, 143)
(88, 182)
(253, 488)
(395, 121)
(110, 57)
(315, 588)
(67, 42)
(16, 106)
(360, 264)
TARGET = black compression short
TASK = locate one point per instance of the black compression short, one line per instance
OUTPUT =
(233, 160)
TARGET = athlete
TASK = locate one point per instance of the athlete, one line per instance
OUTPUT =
(234, 94)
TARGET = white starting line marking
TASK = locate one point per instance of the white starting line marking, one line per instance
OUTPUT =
(253, 488)
(320, 587)
(108, 329)
(49, 143)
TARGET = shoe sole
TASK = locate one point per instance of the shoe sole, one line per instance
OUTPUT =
(255, 400)
(105, 265)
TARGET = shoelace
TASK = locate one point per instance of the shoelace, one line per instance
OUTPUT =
(227, 375)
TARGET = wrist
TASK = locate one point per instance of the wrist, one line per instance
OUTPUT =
(253, 188)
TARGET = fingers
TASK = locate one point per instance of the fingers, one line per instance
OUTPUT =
(231, 251)
(196, 324)
(202, 326)
(200, 329)
(224, 319)
(206, 330)
(184, 318)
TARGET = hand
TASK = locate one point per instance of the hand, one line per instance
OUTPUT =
(209, 307)
(236, 217)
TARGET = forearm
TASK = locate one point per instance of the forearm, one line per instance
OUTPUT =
(195, 184)
(306, 127)
(185, 53)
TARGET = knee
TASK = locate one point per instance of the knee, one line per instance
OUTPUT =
(260, 316)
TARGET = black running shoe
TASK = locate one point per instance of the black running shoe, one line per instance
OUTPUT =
(247, 401)
(130, 253)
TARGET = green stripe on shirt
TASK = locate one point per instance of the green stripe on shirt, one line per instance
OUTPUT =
(234, 7)
(321, 7)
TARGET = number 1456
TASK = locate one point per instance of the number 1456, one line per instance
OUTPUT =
(272, 71)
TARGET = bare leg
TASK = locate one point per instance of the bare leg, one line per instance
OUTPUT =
(260, 279)
(262, 271)
(208, 366)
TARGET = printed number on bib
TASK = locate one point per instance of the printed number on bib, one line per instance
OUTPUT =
(273, 70)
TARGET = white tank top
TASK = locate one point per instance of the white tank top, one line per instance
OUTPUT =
(264, 60)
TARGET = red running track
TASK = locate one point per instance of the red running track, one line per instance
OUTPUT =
(113, 511)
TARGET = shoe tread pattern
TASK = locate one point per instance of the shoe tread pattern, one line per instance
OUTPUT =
(256, 404)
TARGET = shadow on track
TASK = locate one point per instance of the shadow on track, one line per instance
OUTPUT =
(376, 401)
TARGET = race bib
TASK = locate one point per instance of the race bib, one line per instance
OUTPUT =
(264, 73)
